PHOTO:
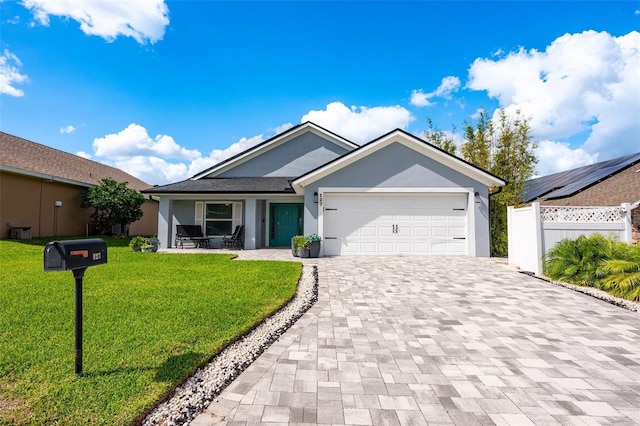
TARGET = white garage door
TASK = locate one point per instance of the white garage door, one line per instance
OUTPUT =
(394, 224)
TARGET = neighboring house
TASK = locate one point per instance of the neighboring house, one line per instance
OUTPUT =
(608, 183)
(394, 195)
(40, 191)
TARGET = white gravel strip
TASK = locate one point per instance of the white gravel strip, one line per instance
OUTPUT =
(208, 382)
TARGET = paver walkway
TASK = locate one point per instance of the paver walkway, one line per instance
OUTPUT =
(442, 341)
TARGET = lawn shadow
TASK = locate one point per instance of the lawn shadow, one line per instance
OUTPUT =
(119, 370)
(173, 370)
(177, 367)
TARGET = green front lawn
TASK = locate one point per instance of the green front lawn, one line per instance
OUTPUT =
(150, 319)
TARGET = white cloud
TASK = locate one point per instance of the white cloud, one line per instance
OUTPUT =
(152, 169)
(83, 155)
(420, 99)
(134, 141)
(160, 160)
(67, 129)
(282, 128)
(10, 75)
(144, 20)
(360, 124)
(448, 85)
(581, 83)
(556, 157)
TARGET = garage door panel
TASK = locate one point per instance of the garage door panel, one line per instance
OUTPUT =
(457, 231)
(421, 231)
(388, 224)
(439, 231)
(422, 248)
(404, 247)
(368, 231)
(439, 247)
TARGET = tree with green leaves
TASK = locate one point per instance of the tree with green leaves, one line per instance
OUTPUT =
(504, 147)
(113, 203)
(437, 137)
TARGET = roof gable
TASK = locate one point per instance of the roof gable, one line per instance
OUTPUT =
(411, 142)
(29, 158)
(241, 160)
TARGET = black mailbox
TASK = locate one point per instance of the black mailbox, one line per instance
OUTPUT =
(74, 254)
(77, 256)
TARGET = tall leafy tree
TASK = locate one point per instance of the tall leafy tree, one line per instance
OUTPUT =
(505, 147)
(437, 137)
(113, 203)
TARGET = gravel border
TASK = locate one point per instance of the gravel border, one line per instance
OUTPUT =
(593, 292)
(197, 393)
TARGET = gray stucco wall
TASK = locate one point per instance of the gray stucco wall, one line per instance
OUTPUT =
(397, 166)
(290, 159)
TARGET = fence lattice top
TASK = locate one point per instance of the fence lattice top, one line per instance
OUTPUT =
(582, 214)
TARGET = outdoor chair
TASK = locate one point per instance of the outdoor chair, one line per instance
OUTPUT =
(234, 241)
(192, 233)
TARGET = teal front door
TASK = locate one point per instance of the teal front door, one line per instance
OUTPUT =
(285, 221)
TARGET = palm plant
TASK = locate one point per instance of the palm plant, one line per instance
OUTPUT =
(620, 274)
(576, 261)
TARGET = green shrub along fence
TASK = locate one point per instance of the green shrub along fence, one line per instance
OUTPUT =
(596, 261)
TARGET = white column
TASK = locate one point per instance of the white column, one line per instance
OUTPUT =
(250, 221)
(164, 222)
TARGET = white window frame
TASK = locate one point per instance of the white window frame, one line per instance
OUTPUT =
(236, 215)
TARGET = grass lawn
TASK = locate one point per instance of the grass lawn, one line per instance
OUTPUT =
(150, 319)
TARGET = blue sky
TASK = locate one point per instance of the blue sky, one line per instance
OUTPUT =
(166, 89)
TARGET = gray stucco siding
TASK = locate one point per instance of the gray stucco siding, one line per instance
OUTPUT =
(292, 158)
(397, 166)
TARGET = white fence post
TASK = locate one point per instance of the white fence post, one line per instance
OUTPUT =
(525, 238)
(538, 233)
(627, 235)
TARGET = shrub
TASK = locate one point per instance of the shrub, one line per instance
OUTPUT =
(137, 242)
(620, 275)
(576, 261)
(596, 261)
(299, 241)
(313, 238)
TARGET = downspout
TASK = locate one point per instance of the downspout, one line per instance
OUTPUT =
(40, 210)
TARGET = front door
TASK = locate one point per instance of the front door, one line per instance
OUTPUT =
(285, 222)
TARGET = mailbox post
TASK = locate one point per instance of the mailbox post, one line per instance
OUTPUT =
(77, 256)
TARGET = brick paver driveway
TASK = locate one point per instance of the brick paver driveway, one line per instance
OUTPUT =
(408, 340)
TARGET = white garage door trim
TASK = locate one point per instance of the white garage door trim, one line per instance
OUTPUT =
(470, 224)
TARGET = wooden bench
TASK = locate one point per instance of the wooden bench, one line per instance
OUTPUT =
(191, 233)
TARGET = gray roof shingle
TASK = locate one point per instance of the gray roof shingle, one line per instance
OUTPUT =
(279, 185)
(21, 154)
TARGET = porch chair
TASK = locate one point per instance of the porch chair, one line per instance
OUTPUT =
(234, 241)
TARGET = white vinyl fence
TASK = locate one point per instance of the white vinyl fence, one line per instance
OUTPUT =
(534, 230)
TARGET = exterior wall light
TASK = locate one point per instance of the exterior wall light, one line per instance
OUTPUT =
(315, 197)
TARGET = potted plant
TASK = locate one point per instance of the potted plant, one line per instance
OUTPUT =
(137, 242)
(146, 246)
(297, 242)
(313, 243)
(155, 243)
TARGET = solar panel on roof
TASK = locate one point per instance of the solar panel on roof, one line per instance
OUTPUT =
(565, 184)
